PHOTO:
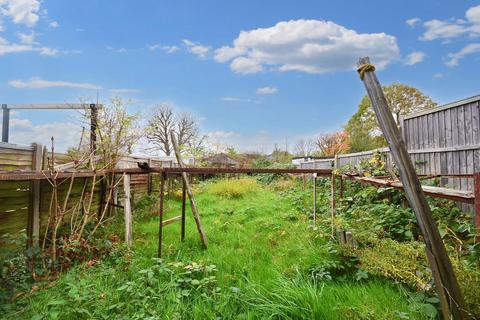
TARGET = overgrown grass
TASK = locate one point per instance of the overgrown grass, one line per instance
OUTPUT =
(232, 188)
(262, 250)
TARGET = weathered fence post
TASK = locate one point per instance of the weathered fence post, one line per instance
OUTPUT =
(446, 285)
(149, 178)
(193, 206)
(127, 209)
(34, 207)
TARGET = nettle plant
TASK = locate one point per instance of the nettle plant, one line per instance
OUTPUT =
(188, 280)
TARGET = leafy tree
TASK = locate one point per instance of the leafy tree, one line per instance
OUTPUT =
(403, 100)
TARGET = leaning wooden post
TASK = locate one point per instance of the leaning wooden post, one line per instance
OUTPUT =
(446, 285)
(476, 185)
(127, 209)
(34, 207)
(193, 206)
(160, 213)
(184, 196)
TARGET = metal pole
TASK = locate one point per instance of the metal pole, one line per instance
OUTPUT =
(6, 123)
(184, 198)
(160, 224)
(314, 199)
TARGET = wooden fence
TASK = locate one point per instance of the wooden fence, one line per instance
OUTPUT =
(443, 140)
(17, 198)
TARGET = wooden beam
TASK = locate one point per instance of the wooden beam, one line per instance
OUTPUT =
(171, 220)
(49, 106)
(193, 205)
(451, 299)
(127, 209)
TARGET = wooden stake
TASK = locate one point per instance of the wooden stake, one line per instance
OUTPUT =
(184, 196)
(127, 209)
(476, 185)
(160, 214)
(193, 206)
(451, 299)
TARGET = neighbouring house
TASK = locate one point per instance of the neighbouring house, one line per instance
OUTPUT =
(221, 160)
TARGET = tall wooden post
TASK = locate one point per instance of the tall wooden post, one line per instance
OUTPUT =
(127, 209)
(5, 123)
(93, 127)
(160, 213)
(193, 205)
(446, 285)
(34, 207)
(184, 196)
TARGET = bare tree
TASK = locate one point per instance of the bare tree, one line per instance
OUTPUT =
(159, 127)
(163, 121)
(304, 147)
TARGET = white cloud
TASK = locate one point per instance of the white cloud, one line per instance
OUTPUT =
(454, 58)
(124, 90)
(165, 48)
(54, 24)
(66, 134)
(231, 99)
(21, 11)
(26, 38)
(452, 28)
(46, 51)
(311, 46)
(196, 48)
(37, 83)
(412, 22)
(117, 50)
(7, 48)
(414, 58)
(267, 90)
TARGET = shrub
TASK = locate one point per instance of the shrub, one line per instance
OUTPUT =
(232, 188)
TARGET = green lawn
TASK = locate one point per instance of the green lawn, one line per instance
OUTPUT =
(265, 252)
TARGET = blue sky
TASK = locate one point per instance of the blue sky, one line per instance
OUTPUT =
(289, 74)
